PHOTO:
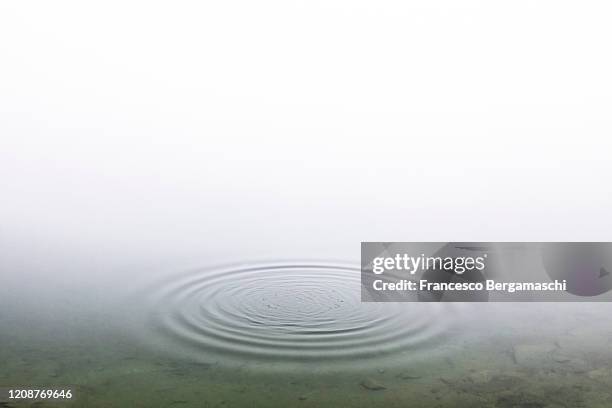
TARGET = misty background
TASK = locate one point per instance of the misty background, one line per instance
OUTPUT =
(141, 139)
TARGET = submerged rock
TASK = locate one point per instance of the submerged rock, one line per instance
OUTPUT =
(561, 357)
(407, 375)
(372, 385)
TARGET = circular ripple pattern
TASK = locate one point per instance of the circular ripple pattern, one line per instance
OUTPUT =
(289, 312)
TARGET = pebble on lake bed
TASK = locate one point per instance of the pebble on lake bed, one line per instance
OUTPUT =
(406, 375)
(372, 385)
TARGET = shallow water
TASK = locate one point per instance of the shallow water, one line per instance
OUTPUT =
(293, 314)
(296, 334)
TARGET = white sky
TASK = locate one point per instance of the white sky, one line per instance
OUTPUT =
(241, 129)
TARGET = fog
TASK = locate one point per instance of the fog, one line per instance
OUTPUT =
(141, 140)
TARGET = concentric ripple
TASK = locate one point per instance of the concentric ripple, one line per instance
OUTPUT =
(288, 312)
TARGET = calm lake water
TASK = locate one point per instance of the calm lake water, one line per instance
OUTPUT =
(296, 334)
